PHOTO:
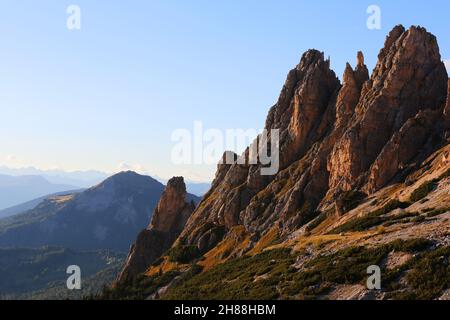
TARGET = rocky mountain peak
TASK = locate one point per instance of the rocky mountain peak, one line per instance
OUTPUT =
(169, 219)
(124, 183)
(409, 78)
(306, 94)
(391, 38)
(170, 206)
(360, 60)
(359, 135)
(176, 185)
(352, 157)
(350, 92)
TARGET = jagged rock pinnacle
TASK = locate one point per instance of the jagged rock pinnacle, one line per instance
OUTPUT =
(169, 219)
(360, 59)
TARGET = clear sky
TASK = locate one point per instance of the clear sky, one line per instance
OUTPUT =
(108, 96)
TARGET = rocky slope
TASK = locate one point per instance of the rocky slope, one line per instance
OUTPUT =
(169, 218)
(363, 163)
(107, 216)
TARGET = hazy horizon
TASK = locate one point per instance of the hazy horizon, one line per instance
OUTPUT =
(107, 97)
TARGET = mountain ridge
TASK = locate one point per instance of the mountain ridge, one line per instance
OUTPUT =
(23, 207)
(364, 178)
(15, 190)
(106, 216)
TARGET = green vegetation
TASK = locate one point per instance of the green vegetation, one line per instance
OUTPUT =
(422, 191)
(427, 277)
(391, 206)
(351, 199)
(425, 188)
(139, 289)
(91, 285)
(304, 215)
(41, 273)
(404, 217)
(348, 266)
(372, 219)
(445, 175)
(417, 219)
(317, 221)
(183, 254)
(359, 224)
(435, 213)
(379, 216)
(236, 279)
(272, 275)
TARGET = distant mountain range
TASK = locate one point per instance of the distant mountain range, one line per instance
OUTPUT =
(78, 179)
(28, 186)
(16, 190)
(107, 216)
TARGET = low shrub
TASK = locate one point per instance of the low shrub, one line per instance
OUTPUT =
(317, 221)
(446, 174)
(183, 254)
(347, 266)
(139, 289)
(422, 191)
(272, 275)
(351, 199)
(359, 224)
(372, 219)
(236, 279)
(437, 212)
(428, 276)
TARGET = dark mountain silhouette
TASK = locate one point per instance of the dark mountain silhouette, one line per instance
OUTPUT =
(107, 216)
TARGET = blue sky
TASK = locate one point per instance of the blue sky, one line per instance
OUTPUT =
(109, 96)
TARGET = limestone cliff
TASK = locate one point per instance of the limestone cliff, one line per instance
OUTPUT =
(361, 135)
(168, 220)
(365, 162)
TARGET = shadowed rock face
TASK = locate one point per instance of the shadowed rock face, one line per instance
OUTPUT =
(361, 135)
(168, 220)
(447, 107)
